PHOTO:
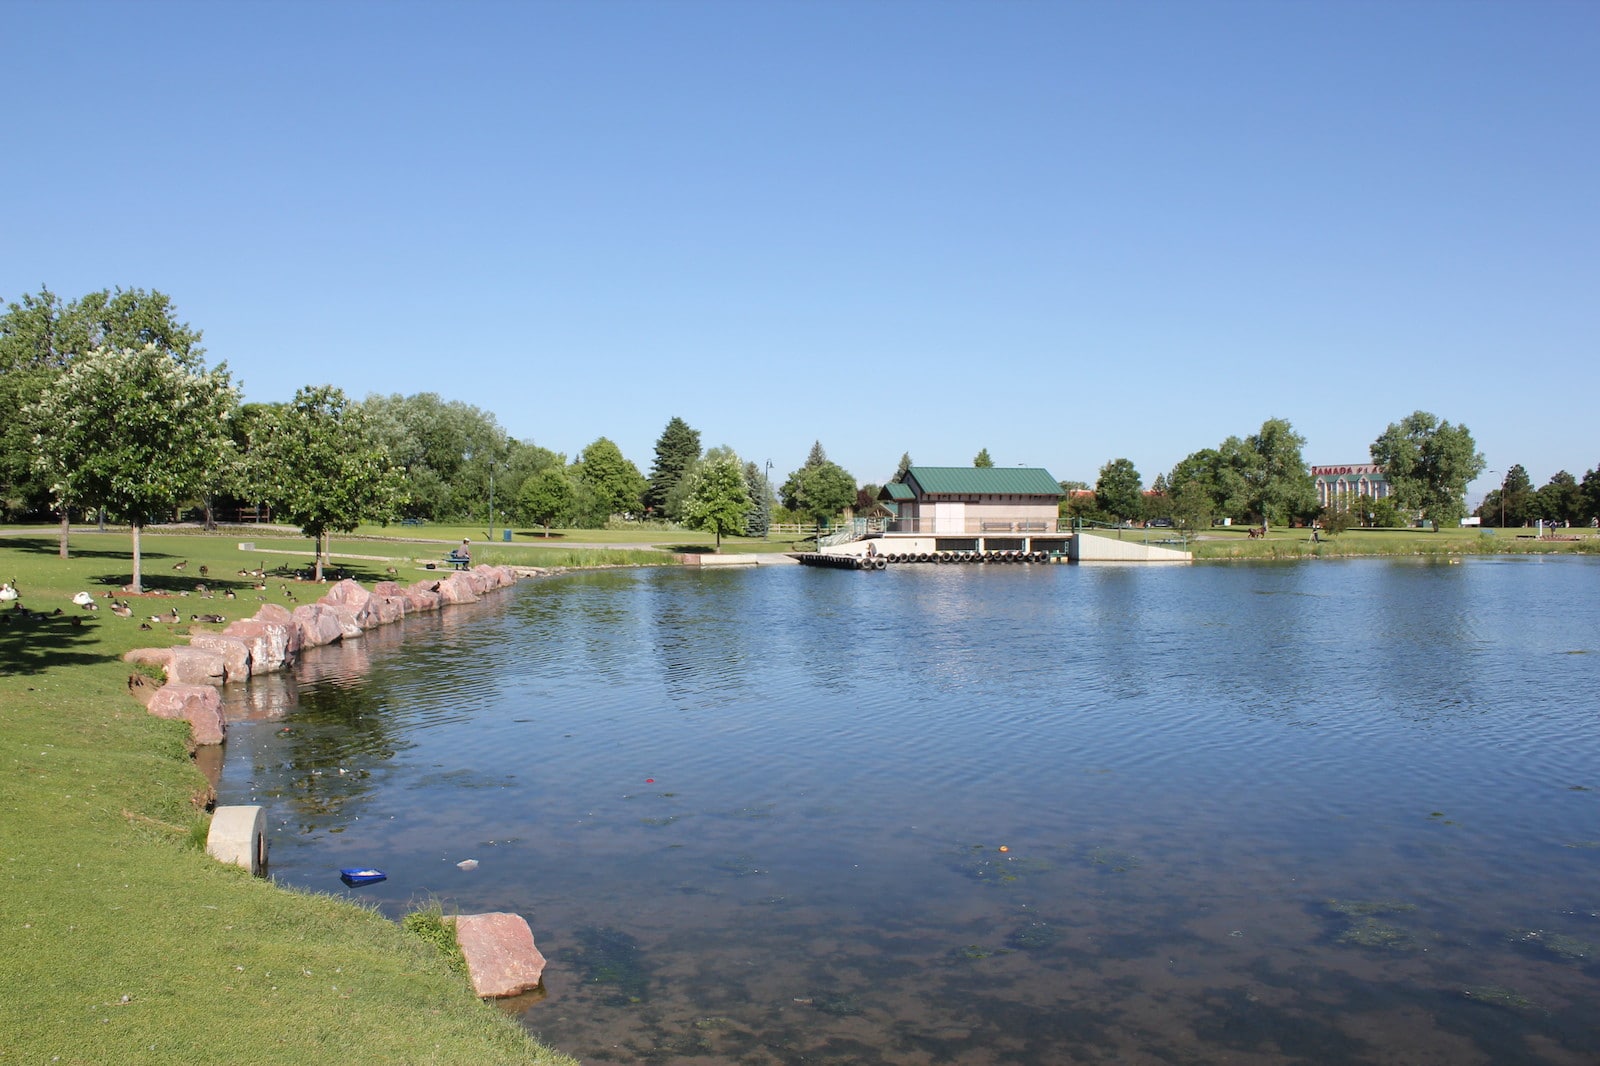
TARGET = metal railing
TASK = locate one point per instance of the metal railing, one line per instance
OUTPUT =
(992, 526)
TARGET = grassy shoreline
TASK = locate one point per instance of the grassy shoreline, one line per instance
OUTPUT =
(121, 940)
(1359, 543)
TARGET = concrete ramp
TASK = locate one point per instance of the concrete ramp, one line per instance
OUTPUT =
(1090, 548)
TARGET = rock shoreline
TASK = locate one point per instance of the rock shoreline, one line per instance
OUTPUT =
(274, 637)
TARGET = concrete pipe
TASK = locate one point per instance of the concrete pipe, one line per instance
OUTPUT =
(880, 563)
(238, 836)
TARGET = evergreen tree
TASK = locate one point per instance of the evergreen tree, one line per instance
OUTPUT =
(759, 518)
(982, 460)
(900, 470)
(677, 450)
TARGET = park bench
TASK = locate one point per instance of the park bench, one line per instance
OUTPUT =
(413, 521)
(995, 527)
(457, 562)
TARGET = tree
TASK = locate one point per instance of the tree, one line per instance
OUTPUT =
(1119, 491)
(1279, 484)
(41, 336)
(820, 491)
(613, 484)
(790, 492)
(982, 460)
(1590, 487)
(322, 465)
(901, 468)
(718, 499)
(1515, 499)
(448, 451)
(677, 450)
(758, 519)
(133, 430)
(546, 498)
(1561, 500)
(1429, 463)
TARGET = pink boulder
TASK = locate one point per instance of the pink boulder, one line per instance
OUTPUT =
(423, 597)
(387, 588)
(346, 593)
(235, 654)
(457, 588)
(273, 645)
(195, 666)
(199, 705)
(502, 958)
(319, 625)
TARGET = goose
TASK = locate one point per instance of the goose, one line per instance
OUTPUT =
(121, 610)
(204, 570)
(180, 564)
(207, 618)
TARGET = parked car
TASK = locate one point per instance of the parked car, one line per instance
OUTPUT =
(1160, 523)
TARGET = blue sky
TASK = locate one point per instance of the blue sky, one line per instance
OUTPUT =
(1064, 232)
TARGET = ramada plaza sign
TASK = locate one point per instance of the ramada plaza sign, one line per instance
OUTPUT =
(1341, 471)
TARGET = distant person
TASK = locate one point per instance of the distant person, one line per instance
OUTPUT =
(462, 554)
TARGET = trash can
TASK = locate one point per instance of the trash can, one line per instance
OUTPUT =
(506, 533)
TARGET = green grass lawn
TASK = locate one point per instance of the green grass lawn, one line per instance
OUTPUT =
(120, 940)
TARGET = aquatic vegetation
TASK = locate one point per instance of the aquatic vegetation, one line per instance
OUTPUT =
(740, 866)
(1118, 861)
(1371, 933)
(985, 864)
(1499, 997)
(1366, 908)
(607, 956)
(1034, 936)
(1559, 944)
(840, 1005)
(974, 952)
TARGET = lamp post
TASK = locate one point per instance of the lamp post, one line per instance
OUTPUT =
(766, 501)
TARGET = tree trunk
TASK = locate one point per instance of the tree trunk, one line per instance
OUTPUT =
(66, 519)
(138, 579)
(317, 576)
(211, 518)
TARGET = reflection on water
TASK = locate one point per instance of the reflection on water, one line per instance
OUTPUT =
(1331, 812)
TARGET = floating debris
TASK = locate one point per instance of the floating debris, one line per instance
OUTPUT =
(467, 864)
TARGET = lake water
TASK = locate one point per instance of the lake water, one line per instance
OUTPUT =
(1331, 812)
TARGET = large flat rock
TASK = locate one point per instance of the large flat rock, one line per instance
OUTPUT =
(501, 956)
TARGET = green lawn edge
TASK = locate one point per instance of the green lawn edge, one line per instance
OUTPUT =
(120, 940)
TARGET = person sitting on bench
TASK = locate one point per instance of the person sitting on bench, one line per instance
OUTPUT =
(462, 556)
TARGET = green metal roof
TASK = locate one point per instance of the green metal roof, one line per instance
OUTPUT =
(984, 481)
(896, 490)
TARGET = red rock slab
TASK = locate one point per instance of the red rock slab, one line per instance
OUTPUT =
(502, 959)
(199, 705)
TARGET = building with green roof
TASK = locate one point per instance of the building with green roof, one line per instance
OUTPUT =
(968, 500)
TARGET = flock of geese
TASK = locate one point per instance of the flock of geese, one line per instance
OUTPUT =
(12, 610)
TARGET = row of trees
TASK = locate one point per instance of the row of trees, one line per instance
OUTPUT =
(1563, 500)
(1264, 478)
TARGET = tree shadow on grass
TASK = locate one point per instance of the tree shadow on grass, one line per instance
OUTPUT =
(688, 549)
(30, 645)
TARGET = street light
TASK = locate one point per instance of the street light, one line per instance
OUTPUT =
(766, 501)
